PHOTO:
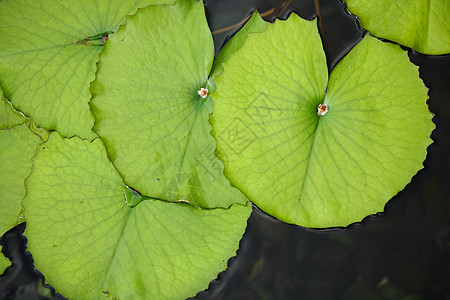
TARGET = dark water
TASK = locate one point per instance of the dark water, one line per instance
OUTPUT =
(403, 253)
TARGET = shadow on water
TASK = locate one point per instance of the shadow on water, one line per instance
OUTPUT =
(21, 281)
(403, 253)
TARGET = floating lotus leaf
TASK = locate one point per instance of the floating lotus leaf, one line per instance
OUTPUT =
(149, 112)
(88, 242)
(313, 150)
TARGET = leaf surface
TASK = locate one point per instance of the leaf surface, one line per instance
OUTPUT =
(311, 170)
(17, 147)
(47, 62)
(422, 24)
(9, 117)
(88, 243)
(148, 110)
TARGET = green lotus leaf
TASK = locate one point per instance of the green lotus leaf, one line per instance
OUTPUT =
(149, 112)
(88, 242)
(48, 55)
(422, 24)
(17, 147)
(327, 170)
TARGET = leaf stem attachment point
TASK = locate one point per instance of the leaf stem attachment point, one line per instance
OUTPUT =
(203, 92)
(322, 109)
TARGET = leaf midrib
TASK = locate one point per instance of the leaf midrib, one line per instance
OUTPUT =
(116, 247)
(189, 136)
(309, 158)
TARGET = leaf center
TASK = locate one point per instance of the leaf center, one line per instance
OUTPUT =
(322, 109)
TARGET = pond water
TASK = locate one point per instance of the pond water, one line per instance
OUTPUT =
(403, 253)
